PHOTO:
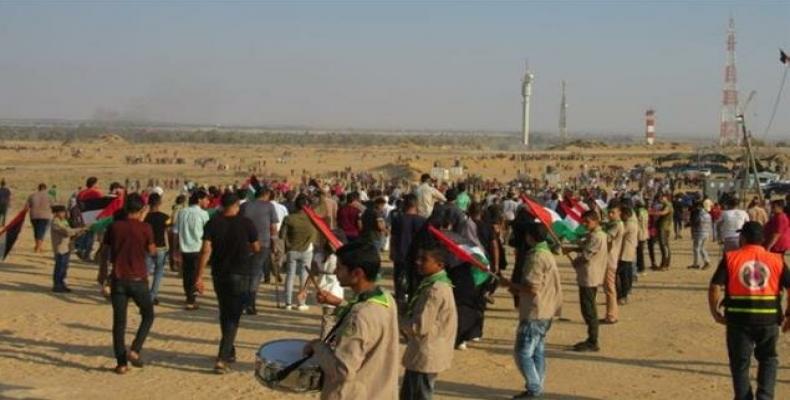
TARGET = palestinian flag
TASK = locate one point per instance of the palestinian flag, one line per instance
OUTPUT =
(465, 252)
(97, 213)
(323, 228)
(10, 232)
(571, 227)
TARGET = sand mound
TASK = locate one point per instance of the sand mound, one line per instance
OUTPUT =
(398, 170)
(111, 139)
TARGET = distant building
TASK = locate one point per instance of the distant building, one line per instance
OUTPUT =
(650, 126)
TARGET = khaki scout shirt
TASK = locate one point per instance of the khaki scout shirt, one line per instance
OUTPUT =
(590, 265)
(543, 276)
(643, 218)
(431, 330)
(630, 238)
(615, 233)
(61, 235)
(364, 363)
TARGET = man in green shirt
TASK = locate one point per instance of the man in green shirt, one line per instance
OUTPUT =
(665, 216)
(298, 235)
(463, 200)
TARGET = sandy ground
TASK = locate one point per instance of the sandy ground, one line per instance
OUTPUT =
(55, 346)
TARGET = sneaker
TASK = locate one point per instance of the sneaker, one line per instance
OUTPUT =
(693, 267)
(461, 346)
(191, 307)
(606, 321)
(706, 266)
(121, 369)
(585, 346)
(288, 307)
(476, 340)
(303, 307)
(60, 289)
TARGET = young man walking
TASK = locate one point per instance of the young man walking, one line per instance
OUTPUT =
(189, 231)
(130, 242)
(229, 242)
(753, 279)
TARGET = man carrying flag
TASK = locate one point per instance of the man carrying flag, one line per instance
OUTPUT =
(10, 232)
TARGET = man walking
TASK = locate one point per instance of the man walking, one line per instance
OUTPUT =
(189, 231)
(298, 235)
(156, 264)
(130, 242)
(262, 213)
(752, 278)
(229, 241)
(40, 214)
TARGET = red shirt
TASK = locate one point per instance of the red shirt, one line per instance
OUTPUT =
(347, 220)
(88, 194)
(779, 224)
(129, 241)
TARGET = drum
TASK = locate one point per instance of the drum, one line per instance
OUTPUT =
(272, 357)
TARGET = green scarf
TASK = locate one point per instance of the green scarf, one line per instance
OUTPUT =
(376, 296)
(425, 284)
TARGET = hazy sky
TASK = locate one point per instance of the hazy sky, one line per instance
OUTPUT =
(410, 64)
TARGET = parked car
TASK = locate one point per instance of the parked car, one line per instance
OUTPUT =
(777, 188)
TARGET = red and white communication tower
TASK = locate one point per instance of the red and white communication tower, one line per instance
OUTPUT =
(650, 126)
(728, 133)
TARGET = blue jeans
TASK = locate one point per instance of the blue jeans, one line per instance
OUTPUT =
(530, 353)
(84, 244)
(61, 268)
(297, 261)
(261, 267)
(156, 267)
(699, 249)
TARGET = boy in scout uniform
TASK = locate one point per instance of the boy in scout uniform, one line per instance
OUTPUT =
(615, 231)
(360, 359)
(430, 326)
(590, 265)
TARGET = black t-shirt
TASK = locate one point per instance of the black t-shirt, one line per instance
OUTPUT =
(404, 229)
(370, 224)
(230, 244)
(158, 221)
(720, 277)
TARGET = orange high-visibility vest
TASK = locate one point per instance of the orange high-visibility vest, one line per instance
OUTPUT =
(753, 287)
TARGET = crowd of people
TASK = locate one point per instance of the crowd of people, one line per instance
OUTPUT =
(259, 231)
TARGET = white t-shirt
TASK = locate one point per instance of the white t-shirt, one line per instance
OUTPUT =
(281, 212)
(730, 222)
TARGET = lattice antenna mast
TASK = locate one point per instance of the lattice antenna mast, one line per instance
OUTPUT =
(728, 132)
(563, 116)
